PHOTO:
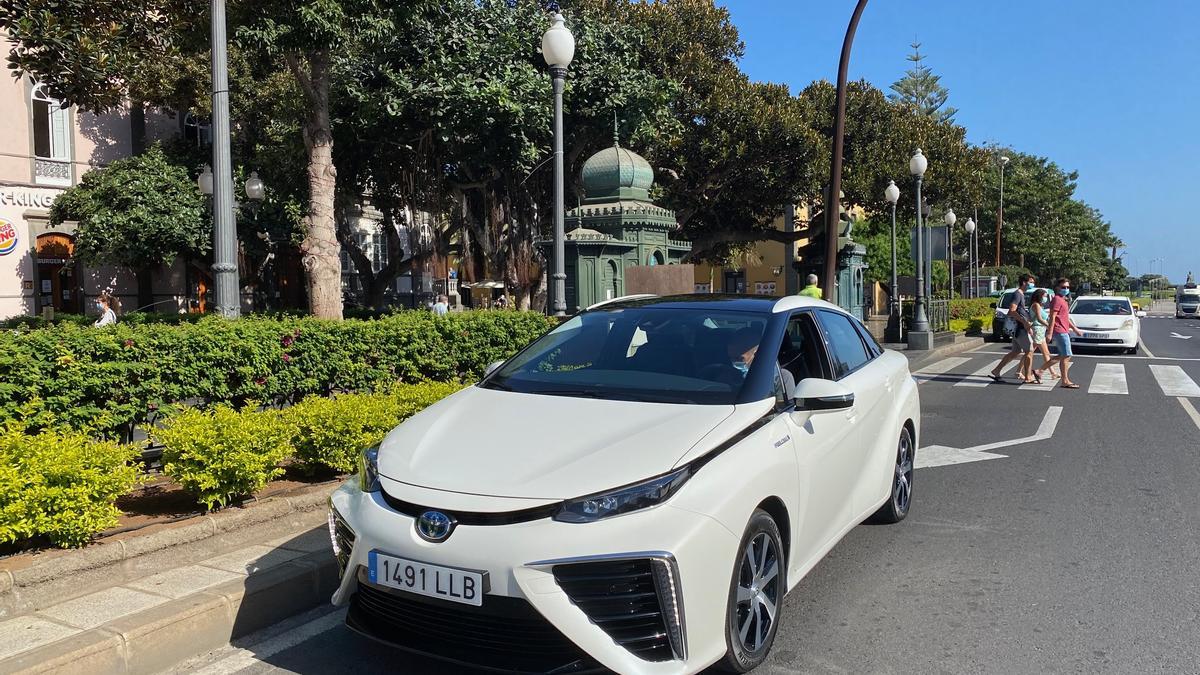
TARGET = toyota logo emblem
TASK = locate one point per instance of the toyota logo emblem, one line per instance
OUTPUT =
(434, 526)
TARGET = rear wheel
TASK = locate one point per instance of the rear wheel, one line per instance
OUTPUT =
(755, 596)
(900, 500)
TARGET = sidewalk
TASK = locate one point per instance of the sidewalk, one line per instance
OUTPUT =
(167, 596)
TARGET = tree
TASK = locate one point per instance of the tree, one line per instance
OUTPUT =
(138, 212)
(923, 90)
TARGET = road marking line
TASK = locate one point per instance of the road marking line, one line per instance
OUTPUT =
(980, 377)
(1109, 378)
(240, 659)
(1174, 382)
(1076, 357)
(1190, 409)
(941, 367)
(1045, 431)
(1146, 349)
(940, 455)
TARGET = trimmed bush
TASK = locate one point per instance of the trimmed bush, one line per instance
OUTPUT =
(61, 485)
(222, 453)
(331, 432)
(112, 378)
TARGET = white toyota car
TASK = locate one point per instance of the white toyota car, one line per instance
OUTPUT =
(1107, 321)
(635, 491)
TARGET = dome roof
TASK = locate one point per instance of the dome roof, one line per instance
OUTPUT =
(617, 172)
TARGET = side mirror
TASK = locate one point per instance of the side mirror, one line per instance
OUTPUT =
(492, 367)
(993, 305)
(817, 396)
(1141, 314)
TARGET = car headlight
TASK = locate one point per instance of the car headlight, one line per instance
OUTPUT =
(368, 469)
(1128, 325)
(624, 499)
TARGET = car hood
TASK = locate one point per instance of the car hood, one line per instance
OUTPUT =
(1100, 321)
(534, 446)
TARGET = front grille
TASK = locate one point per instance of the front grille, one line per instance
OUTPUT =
(622, 597)
(505, 634)
(342, 538)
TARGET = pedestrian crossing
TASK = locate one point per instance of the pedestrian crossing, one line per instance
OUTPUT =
(1104, 379)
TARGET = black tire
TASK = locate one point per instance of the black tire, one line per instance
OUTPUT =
(1132, 350)
(900, 500)
(744, 655)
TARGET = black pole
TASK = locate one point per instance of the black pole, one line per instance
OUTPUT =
(832, 200)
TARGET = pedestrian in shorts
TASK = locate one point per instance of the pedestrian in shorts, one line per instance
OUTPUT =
(1022, 342)
(1061, 327)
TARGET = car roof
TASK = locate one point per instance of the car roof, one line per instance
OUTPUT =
(720, 301)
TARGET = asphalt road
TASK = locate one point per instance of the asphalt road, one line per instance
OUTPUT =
(1076, 553)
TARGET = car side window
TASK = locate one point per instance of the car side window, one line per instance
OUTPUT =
(846, 348)
(874, 349)
(802, 353)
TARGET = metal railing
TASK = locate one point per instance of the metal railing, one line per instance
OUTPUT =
(939, 314)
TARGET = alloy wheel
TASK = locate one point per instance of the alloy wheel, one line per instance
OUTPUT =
(902, 489)
(758, 593)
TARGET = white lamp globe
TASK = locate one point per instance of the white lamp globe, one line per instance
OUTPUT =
(970, 226)
(892, 193)
(950, 218)
(254, 187)
(918, 164)
(205, 181)
(558, 44)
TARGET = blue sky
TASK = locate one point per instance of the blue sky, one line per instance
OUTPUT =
(1109, 89)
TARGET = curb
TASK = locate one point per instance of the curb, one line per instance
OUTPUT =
(118, 551)
(165, 636)
(918, 360)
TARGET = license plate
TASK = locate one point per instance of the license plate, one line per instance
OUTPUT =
(433, 581)
(1094, 336)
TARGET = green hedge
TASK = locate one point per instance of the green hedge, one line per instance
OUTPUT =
(110, 378)
(221, 454)
(60, 485)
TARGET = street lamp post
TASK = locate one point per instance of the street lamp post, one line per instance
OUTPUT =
(950, 219)
(971, 285)
(1000, 220)
(225, 270)
(256, 191)
(558, 48)
(919, 336)
(892, 194)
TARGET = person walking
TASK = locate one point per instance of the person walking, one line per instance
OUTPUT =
(812, 290)
(441, 307)
(1061, 327)
(1022, 342)
(1039, 313)
(105, 304)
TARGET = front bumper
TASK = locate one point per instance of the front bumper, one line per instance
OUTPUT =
(1182, 311)
(1124, 339)
(695, 557)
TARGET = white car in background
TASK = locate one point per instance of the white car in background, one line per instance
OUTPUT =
(1107, 321)
(635, 491)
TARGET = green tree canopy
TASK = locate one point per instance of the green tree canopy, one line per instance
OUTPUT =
(922, 89)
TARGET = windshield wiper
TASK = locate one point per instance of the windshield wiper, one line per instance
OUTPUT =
(492, 384)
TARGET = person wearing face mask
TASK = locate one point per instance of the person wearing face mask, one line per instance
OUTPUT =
(1061, 327)
(104, 304)
(1022, 342)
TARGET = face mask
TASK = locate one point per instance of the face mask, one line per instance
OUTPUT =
(1029, 287)
(1064, 291)
(100, 306)
(742, 366)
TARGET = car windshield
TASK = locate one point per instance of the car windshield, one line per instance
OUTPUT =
(1102, 307)
(1006, 301)
(641, 354)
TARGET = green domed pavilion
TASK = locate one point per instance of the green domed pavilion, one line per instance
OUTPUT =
(615, 227)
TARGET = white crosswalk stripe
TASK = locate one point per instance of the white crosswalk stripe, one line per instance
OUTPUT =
(980, 378)
(1174, 382)
(1109, 378)
(941, 367)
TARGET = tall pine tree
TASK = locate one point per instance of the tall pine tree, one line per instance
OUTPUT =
(922, 89)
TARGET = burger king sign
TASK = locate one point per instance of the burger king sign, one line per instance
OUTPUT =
(8, 237)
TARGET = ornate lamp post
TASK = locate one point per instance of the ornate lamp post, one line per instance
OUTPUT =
(256, 191)
(892, 194)
(950, 219)
(971, 285)
(919, 336)
(558, 48)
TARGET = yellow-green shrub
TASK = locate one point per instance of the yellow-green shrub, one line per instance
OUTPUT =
(61, 485)
(330, 432)
(222, 453)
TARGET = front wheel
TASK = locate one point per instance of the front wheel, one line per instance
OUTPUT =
(755, 596)
(900, 500)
